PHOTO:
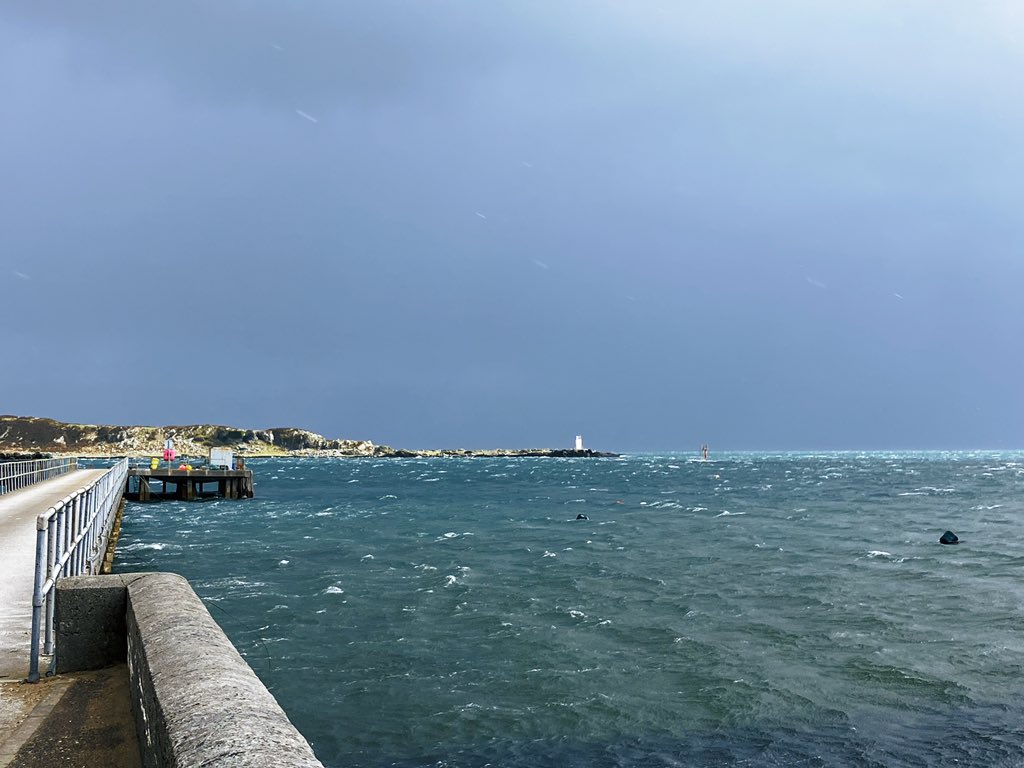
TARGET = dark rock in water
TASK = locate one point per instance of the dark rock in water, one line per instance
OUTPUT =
(949, 538)
(581, 516)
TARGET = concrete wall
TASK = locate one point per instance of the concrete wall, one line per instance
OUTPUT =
(89, 621)
(196, 701)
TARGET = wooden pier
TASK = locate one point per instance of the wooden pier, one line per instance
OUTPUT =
(188, 484)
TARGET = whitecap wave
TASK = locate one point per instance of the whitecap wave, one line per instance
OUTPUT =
(141, 545)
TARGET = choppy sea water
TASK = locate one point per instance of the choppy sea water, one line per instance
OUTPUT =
(754, 610)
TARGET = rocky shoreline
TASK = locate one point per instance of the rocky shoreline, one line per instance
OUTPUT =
(557, 453)
(33, 437)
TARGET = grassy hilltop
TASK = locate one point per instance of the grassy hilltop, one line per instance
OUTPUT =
(28, 434)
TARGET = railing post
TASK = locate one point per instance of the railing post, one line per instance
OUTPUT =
(54, 536)
(37, 603)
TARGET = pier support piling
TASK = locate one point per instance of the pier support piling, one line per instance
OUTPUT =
(190, 484)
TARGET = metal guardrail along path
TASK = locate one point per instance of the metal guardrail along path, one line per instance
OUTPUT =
(15, 475)
(71, 539)
(18, 512)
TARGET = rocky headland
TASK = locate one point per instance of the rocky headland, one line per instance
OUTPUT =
(29, 437)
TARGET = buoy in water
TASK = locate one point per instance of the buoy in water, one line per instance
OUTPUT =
(949, 538)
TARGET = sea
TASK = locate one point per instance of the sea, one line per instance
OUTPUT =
(754, 609)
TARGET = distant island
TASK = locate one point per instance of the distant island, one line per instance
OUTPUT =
(29, 436)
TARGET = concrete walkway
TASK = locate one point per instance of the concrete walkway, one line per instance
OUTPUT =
(64, 703)
(85, 721)
(18, 512)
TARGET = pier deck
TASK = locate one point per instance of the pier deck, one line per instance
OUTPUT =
(188, 484)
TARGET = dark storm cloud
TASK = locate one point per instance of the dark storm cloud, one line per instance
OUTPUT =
(322, 54)
(465, 223)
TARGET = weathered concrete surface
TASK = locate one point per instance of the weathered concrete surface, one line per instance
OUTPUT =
(197, 703)
(89, 726)
(194, 700)
(18, 700)
(18, 512)
(89, 621)
(46, 697)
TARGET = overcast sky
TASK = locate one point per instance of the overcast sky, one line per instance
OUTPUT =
(787, 224)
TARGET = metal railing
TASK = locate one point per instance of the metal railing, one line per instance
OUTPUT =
(15, 475)
(71, 540)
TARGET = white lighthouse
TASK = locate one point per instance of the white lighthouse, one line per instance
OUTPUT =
(579, 442)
